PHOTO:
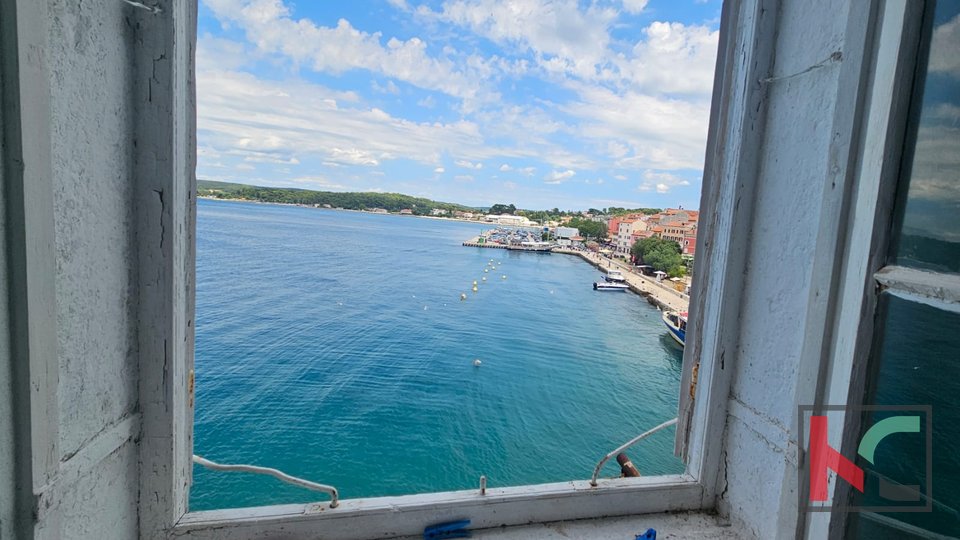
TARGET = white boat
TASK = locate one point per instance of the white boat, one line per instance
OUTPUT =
(615, 276)
(676, 324)
(540, 247)
(610, 286)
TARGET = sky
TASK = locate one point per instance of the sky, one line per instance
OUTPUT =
(538, 103)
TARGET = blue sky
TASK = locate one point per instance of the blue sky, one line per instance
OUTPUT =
(538, 103)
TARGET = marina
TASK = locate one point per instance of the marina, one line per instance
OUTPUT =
(654, 290)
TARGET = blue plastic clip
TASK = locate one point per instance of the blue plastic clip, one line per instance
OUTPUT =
(452, 529)
(651, 534)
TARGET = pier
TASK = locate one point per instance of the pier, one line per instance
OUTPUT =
(655, 292)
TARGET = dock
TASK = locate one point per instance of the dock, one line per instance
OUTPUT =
(475, 242)
(657, 293)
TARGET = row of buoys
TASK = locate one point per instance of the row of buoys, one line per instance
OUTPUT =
(492, 266)
(476, 361)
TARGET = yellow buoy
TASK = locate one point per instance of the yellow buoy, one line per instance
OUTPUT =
(474, 288)
(474, 283)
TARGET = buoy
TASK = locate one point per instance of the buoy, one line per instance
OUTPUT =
(503, 276)
(474, 288)
(485, 270)
(463, 296)
(484, 278)
(474, 283)
(477, 362)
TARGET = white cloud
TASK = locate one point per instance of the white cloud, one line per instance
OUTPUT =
(634, 6)
(558, 177)
(944, 47)
(468, 165)
(557, 31)
(439, 170)
(672, 58)
(241, 115)
(389, 88)
(527, 171)
(352, 156)
(463, 178)
(661, 182)
(505, 168)
(270, 26)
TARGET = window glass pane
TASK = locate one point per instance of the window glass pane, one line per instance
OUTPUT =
(916, 364)
(930, 236)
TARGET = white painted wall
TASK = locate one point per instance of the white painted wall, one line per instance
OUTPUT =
(83, 452)
(758, 476)
(91, 78)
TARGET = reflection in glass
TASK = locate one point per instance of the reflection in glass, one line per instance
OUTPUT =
(930, 236)
(916, 364)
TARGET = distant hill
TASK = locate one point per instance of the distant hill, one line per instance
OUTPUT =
(392, 202)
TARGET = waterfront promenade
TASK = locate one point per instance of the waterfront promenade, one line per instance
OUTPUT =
(657, 293)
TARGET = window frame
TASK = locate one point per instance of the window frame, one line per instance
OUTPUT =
(902, 45)
(895, 38)
(166, 157)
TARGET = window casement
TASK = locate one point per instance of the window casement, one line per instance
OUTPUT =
(166, 156)
(900, 276)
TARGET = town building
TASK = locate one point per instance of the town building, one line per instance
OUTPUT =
(509, 220)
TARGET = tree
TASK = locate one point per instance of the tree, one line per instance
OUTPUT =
(500, 209)
(589, 228)
(661, 254)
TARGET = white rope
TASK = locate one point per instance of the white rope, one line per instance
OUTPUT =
(279, 475)
(152, 9)
(624, 446)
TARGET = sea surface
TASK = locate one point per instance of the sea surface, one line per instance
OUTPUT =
(333, 345)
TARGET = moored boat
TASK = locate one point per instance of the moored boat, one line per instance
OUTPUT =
(676, 324)
(615, 276)
(610, 286)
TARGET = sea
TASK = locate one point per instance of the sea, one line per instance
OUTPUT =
(334, 346)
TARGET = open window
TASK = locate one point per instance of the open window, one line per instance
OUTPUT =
(732, 175)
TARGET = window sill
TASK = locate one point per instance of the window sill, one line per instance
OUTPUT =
(391, 517)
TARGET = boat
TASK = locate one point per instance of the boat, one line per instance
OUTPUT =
(610, 286)
(677, 325)
(539, 247)
(615, 276)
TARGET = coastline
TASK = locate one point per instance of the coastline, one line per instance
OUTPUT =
(343, 210)
(656, 293)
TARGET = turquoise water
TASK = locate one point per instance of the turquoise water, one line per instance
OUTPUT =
(333, 346)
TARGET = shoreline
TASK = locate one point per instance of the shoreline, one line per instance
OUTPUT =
(462, 220)
(656, 293)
